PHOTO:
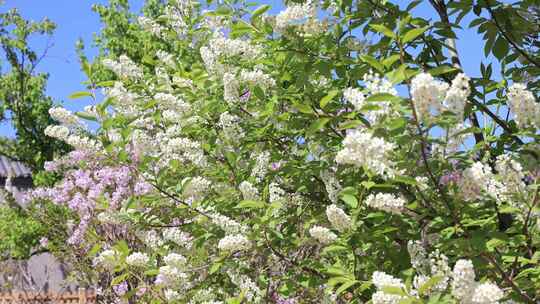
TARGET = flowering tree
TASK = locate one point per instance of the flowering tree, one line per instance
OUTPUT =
(243, 157)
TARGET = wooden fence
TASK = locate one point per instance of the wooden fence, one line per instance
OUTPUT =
(82, 296)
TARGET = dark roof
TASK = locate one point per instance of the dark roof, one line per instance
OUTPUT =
(16, 169)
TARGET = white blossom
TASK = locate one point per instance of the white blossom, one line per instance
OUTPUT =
(456, 97)
(362, 149)
(262, 161)
(124, 67)
(107, 259)
(522, 103)
(230, 124)
(322, 234)
(63, 116)
(386, 201)
(295, 14)
(257, 77)
(137, 259)
(487, 293)
(58, 132)
(338, 218)
(249, 192)
(234, 243)
(381, 280)
(231, 88)
(427, 94)
(175, 260)
(276, 194)
(331, 184)
(463, 280)
(178, 237)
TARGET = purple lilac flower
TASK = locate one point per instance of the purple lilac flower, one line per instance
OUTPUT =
(44, 242)
(121, 288)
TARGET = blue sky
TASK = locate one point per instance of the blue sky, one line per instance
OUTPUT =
(75, 19)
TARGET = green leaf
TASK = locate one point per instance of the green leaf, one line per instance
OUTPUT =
(81, 94)
(241, 27)
(393, 290)
(350, 200)
(429, 284)
(373, 63)
(119, 279)
(413, 34)
(406, 180)
(302, 108)
(326, 99)
(443, 69)
(390, 60)
(346, 286)
(223, 10)
(334, 248)
(215, 267)
(351, 124)
(500, 49)
(317, 125)
(383, 97)
(259, 11)
(250, 205)
(383, 30)
(85, 115)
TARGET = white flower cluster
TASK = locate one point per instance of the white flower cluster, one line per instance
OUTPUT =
(522, 103)
(362, 149)
(185, 150)
(150, 25)
(170, 276)
(175, 260)
(63, 116)
(355, 97)
(221, 47)
(338, 218)
(430, 95)
(231, 88)
(262, 161)
(294, 15)
(386, 201)
(276, 194)
(257, 77)
(178, 237)
(166, 58)
(230, 124)
(374, 85)
(382, 280)
(124, 67)
(195, 189)
(456, 97)
(234, 243)
(477, 179)
(511, 175)
(84, 143)
(331, 184)
(152, 239)
(251, 291)
(125, 99)
(174, 109)
(137, 259)
(58, 132)
(467, 290)
(461, 280)
(227, 224)
(107, 259)
(249, 192)
(322, 234)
